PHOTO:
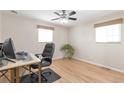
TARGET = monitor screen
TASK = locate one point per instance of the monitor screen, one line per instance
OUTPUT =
(8, 49)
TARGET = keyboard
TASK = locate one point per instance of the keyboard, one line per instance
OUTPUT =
(22, 53)
(23, 56)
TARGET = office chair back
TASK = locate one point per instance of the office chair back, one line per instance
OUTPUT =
(49, 50)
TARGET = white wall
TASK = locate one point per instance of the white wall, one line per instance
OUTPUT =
(0, 26)
(24, 33)
(82, 37)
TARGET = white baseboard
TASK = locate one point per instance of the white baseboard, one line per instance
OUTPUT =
(97, 64)
(57, 58)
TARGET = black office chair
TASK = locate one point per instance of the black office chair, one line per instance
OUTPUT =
(46, 58)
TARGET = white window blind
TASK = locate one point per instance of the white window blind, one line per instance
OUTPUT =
(108, 31)
(45, 35)
(111, 33)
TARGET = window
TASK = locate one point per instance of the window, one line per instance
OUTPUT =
(45, 34)
(108, 32)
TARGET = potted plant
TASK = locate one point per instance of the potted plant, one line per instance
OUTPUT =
(68, 50)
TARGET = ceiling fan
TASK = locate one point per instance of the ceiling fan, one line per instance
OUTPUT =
(64, 17)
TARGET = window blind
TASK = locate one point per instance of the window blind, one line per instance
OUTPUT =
(111, 22)
(45, 27)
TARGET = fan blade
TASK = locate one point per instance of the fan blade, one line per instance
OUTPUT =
(72, 18)
(72, 13)
(55, 19)
(63, 11)
(57, 13)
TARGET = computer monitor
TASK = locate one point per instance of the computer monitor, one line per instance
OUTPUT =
(9, 52)
(8, 49)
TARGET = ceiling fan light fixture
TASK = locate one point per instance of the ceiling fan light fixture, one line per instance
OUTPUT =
(64, 20)
(64, 16)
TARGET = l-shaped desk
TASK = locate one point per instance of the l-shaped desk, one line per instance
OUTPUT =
(13, 68)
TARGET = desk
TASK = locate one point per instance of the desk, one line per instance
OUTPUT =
(14, 67)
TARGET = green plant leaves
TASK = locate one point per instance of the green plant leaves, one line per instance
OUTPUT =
(68, 50)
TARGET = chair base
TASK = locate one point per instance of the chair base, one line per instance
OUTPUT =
(42, 75)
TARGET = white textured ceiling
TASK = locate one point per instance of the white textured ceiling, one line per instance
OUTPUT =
(82, 16)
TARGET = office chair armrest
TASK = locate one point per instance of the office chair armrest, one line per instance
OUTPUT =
(47, 58)
(38, 55)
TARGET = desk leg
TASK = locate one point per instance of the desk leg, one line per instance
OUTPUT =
(11, 72)
(39, 73)
(14, 75)
(17, 75)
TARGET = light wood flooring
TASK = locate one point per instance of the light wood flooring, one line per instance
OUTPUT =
(74, 71)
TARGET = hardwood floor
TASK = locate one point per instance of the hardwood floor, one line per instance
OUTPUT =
(74, 71)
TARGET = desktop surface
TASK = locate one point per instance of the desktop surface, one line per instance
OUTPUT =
(5, 64)
(24, 58)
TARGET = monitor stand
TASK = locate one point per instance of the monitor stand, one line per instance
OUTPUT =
(8, 59)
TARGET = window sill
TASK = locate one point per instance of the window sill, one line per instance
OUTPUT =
(108, 42)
